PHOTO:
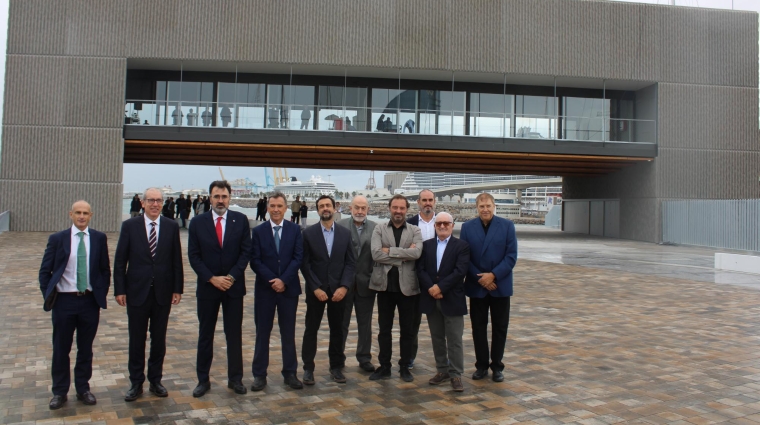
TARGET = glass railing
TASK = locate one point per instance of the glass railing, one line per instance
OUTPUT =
(388, 121)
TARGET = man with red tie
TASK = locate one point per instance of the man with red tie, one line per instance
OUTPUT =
(219, 248)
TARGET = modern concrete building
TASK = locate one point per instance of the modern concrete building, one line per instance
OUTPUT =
(393, 181)
(632, 104)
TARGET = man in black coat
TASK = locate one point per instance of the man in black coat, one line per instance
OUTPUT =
(441, 271)
(328, 268)
(182, 209)
(148, 280)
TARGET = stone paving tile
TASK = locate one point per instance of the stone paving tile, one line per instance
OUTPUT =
(586, 346)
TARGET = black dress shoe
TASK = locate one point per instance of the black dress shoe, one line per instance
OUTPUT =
(367, 367)
(133, 392)
(293, 382)
(259, 382)
(381, 372)
(497, 376)
(406, 375)
(158, 390)
(237, 386)
(201, 389)
(308, 377)
(87, 398)
(337, 376)
(480, 374)
(57, 402)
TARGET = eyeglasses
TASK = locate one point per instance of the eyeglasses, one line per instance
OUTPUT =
(443, 223)
(153, 201)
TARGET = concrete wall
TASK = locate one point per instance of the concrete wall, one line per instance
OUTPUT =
(67, 61)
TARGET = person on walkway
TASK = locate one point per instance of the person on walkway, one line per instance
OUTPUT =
(441, 271)
(304, 214)
(396, 245)
(196, 201)
(295, 210)
(493, 254)
(361, 299)
(148, 279)
(305, 117)
(219, 248)
(182, 209)
(277, 255)
(328, 269)
(135, 206)
(75, 276)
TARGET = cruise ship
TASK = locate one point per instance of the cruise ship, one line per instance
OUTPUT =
(309, 190)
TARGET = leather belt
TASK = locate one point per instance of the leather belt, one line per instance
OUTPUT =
(78, 294)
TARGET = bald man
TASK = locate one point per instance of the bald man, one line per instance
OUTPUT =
(75, 276)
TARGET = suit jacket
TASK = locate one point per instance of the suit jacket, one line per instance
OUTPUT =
(449, 277)
(495, 252)
(323, 271)
(135, 269)
(57, 256)
(363, 251)
(208, 259)
(402, 257)
(268, 264)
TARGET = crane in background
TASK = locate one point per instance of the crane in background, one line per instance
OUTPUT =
(371, 181)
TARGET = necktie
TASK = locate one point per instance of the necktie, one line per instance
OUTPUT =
(219, 230)
(152, 239)
(277, 238)
(81, 264)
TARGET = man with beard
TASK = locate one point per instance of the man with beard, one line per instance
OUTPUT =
(425, 220)
(328, 269)
(219, 247)
(362, 298)
(395, 248)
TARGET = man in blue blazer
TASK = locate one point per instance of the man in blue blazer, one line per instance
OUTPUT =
(75, 276)
(277, 255)
(493, 254)
(219, 248)
(328, 268)
(148, 279)
(441, 270)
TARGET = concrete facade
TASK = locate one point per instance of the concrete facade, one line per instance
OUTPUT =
(67, 60)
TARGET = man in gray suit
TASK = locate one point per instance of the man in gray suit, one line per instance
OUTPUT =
(362, 299)
(396, 245)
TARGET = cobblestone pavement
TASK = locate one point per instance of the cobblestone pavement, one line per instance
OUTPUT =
(586, 345)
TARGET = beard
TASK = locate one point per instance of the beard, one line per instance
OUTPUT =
(219, 210)
(326, 216)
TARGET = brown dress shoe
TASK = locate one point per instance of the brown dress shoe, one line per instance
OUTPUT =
(438, 378)
(456, 384)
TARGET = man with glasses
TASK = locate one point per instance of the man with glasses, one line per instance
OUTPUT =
(148, 279)
(219, 248)
(441, 271)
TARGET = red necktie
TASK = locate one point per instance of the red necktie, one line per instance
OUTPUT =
(219, 230)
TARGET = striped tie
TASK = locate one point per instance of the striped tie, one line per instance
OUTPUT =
(152, 239)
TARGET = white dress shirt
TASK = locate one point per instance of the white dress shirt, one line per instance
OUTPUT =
(275, 224)
(440, 250)
(427, 228)
(224, 222)
(158, 225)
(68, 282)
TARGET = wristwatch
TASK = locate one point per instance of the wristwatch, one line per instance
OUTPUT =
(231, 278)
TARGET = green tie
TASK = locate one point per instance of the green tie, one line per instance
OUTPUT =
(81, 264)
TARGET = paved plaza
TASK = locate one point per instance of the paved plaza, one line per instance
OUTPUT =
(602, 331)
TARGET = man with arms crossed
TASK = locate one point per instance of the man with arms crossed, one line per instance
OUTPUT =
(277, 255)
(219, 247)
(441, 271)
(148, 279)
(362, 298)
(396, 246)
(328, 268)
(493, 254)
(75, 276)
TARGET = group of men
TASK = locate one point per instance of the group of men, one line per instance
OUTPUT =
(411, 266)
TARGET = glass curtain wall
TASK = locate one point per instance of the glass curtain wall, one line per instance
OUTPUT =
(490, 114)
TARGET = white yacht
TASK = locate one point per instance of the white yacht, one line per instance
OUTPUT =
(309, 190)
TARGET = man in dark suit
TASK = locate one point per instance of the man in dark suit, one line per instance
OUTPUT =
(75, 276)
(183, 207)
(328, 268)
(362, 299)
(493, 254)
(441, 271)
(277, 255)
(219, 248)
(148, 278)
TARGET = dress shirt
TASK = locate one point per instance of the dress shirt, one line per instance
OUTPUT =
(442, 244)
(158, 226)
(329, 235)
(360, 228)
(485, 226)
(224, 222)
(427, 228)
(68, 282)
(275, 224)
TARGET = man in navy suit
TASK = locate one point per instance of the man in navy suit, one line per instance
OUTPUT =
(277, 255)
(219, 248)
(441, 271)
(493, 254)
(75, 276)
(328, 268)
(148, 279)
